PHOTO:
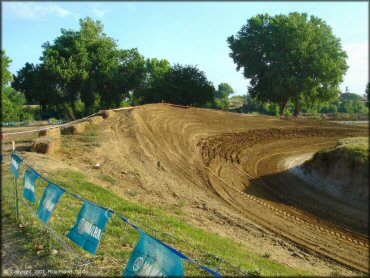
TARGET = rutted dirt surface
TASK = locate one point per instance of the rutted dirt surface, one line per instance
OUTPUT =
(227, 173)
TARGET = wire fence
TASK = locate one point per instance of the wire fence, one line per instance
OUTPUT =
(197, 257)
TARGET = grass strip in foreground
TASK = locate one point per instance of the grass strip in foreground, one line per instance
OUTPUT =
(119, 239)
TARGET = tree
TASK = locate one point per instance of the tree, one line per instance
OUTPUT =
(6, 75)
(185, 85)
(11, 100)
(39, 86)
(289, 58)
(100, 56)
(155, 72)
(67, 61)
(352, 103)
(224, 91)
(222, 95)
(126, 74)
(80, 61)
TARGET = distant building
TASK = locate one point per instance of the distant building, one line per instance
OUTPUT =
(346, 95)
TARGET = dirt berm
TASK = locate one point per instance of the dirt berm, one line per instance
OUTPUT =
(341, 174)
(225, 172)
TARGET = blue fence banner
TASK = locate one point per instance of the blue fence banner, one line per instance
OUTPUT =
(49, 201)
(15, 165)
(151, 258)
(30, 178)
(89, 226)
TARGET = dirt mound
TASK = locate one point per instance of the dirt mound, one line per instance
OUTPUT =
(224, 171)
(345, 176)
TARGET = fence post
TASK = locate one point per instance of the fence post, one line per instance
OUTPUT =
(16, 198)
(16, 189)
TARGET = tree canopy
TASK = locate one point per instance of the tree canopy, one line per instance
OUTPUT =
(83, 70)
(11, 100)
(289, 58)
(6, 75)
(224, 90)
(186, 85)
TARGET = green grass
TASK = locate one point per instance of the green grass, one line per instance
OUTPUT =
(359, 146)
(355, 150)
(107, 178)
(119, 239)
(90, 136)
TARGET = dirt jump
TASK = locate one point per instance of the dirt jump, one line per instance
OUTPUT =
(232, 173)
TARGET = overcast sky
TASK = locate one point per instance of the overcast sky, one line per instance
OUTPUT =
(182, 32)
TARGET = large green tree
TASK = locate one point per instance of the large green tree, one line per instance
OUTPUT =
(83, 66)
(80, 60)
(155, 72)
(39, 85)
(6, 75)
(289, 58)
(186, 85)
(11, 100)
(126, 73)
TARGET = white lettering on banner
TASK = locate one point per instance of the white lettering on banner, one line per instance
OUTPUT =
(86, 227)
(150, 270)
(49, 205)
(138, 263)
(14, 163)
(29, 185)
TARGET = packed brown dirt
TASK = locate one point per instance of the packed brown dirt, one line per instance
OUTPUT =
(227, 173)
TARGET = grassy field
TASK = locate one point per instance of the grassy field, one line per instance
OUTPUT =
(119, 239)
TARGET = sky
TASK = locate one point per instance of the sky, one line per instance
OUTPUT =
(188, 33)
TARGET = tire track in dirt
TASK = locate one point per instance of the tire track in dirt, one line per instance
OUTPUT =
(322, 227)
(207, 157)
(282, 232)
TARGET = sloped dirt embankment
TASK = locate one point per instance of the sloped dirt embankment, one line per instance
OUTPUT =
(345, 176)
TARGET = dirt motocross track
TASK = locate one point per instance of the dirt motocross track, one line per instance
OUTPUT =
(228, 172)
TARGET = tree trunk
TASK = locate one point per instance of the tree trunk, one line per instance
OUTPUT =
(74, 112)
(298, 109)
(282, 105)
(67, 112)
(88, 97)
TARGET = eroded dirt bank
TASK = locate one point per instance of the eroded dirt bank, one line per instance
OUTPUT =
(226, 173)
(338, 172)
